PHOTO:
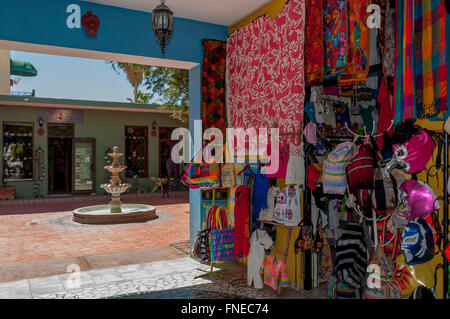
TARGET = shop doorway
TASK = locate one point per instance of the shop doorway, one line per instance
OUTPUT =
(167, 168)
(60, 139)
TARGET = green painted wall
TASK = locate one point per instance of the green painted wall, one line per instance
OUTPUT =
(107, 127)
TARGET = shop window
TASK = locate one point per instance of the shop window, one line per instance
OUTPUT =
(18, 151)
(136, 153)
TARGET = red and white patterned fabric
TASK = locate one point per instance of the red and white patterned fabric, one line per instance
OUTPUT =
(265, 72)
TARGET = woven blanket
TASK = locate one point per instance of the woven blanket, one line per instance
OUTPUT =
(358, 51)
(213, 84)
(404, 93)
(430, 69)
(335, 35)
(313, 41)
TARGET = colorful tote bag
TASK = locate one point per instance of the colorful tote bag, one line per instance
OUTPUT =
(222, 239)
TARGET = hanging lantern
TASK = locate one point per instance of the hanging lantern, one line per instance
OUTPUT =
(162, 18)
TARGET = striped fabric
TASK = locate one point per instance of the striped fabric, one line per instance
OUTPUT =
(352, 255)
(334, 177)
(338, 290)
(404, 96)
(430, 68)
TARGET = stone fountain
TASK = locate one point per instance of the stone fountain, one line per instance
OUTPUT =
(115, 212)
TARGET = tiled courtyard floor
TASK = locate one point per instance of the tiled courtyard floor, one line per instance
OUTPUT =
(36, 237)
(39, 242)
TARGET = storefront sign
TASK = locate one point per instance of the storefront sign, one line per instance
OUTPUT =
(60, 116)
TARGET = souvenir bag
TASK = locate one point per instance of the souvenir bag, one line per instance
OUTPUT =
(325, 265)
(305, 239)
(200, 249)
(380, 284)
(201, 175)
(385, 193)
(222, 237)
(228, 175)
(360, 169)
(336, 289)
(320, 239)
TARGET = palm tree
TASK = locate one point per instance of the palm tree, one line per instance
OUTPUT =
(135, 75)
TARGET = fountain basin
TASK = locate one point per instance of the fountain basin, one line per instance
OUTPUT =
(101, 214)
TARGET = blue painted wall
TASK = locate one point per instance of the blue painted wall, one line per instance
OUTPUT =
(121, 31)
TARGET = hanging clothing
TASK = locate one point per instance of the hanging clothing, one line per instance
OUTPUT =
(259, 195)
(282, 156)
(241, 220)
(272, 194)
(295, 173)
(275, 272)
(288, 208)
(259, 242)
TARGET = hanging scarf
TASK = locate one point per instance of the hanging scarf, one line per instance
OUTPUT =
(313, 41)
(358, 50)
(335, 36)
(429, 56)
(404, 96)
(213, 84)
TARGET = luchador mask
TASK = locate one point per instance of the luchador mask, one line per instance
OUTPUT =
(414, 154)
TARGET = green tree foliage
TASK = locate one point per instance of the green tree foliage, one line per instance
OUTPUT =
(167, 87)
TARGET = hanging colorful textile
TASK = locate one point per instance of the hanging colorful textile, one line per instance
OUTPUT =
(358, 51)
(313, 41)
(404, 97)
(388, 51)
(430, 69)
(213, 84)
(335, 35)
(265, 72)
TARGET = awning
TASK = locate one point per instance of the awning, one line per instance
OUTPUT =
(22, 68)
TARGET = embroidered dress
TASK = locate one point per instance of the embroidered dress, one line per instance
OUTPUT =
(288, 210)
(259, 242)
(274, 271)
(295, 173)
(241, 218)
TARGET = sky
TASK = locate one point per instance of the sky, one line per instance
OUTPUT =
(72, 78)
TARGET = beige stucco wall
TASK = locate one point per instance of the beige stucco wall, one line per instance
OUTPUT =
(4, 72)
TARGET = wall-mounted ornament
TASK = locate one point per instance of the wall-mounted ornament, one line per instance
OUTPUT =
(90, 23)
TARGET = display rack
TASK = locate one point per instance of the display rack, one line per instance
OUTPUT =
(284, 252)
